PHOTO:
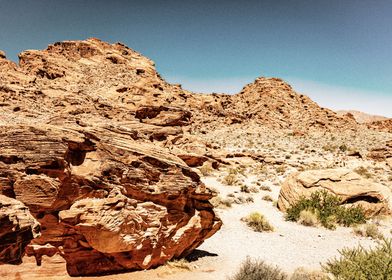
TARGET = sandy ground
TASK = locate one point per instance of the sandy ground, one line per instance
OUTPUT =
(290, 246)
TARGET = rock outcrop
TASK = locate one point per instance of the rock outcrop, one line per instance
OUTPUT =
(382, 153)
(17, 228)
(98, 147)
(106, 201)
(381, 125)
(349, 186)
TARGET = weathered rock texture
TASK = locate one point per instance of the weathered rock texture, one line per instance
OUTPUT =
(381, 125)
(349, 186)
(17, 228)
(382, 153)
(361, 117)
(107, 202)
(97, 145)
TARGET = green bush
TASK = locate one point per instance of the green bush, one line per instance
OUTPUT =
(363, 264)
(328, 209)
(258, 270)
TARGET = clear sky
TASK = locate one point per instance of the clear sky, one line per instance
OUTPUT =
(339, 52)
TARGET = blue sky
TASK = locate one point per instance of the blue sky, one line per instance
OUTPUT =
(337, 52)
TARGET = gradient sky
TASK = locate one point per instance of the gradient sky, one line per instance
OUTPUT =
(337, 52)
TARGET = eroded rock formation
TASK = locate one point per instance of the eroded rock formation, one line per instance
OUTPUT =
(18, 228)
(107, 202)
(98, 146)
(349, 186)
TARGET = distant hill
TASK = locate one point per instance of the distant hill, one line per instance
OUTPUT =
(361, 117)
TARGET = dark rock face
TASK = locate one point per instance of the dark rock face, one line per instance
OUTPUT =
(17, 228)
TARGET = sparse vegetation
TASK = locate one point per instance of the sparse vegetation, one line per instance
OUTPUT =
(363, 264)
(328, 209)
(267, 198)
(265, 188)
(303, 274)
(368, 230)
(258, 222)
(308, 218)
(230, 179)
(221, 202)
(258, 270)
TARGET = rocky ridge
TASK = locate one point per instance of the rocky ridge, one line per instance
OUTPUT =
(99, 148)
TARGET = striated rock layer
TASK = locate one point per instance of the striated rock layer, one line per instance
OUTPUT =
(107, 202)
(18, 228)
(374, 198)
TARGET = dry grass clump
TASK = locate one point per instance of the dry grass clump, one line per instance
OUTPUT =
(230, 179)
(308, 218)
(267, 198)
(265, 188)
(258, 222)
(258, 270)
(360, 263)
(368, 230)
(303, 274)
(220, 202)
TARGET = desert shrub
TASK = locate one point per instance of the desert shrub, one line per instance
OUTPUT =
(253, 190)
(343, 148)
(328, 209)
(267, 198)
(218, 201)
(244, 189)
(230, 179)
(368, 230)
(308, 218)
(258, 270)
(281, 169)
(363, 172)
(363, 264)
(303, 274)
(265, 188)
(258, 222)
(250, 199)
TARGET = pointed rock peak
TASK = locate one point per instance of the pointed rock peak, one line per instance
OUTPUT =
(262, 84)
(2, 54)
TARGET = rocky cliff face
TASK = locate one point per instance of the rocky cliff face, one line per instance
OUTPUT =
(18, 228)
(97, 146)
(79, 128)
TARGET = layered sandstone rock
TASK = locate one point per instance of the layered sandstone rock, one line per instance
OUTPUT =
(106, 201)
(349, 186)
(17, 228)
(381, 125)
(383, 153)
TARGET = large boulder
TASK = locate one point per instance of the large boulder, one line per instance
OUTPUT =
(17, 228)
(107, 202)
(349, 186)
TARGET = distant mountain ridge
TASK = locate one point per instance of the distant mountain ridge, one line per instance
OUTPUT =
(361, 117)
